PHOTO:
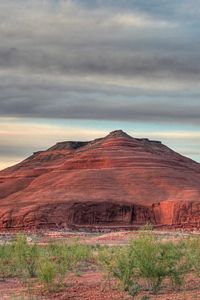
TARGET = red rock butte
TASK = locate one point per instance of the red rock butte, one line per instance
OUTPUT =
(113, 181)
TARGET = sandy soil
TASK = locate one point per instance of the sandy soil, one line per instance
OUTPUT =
(92, 285)
(111, 238)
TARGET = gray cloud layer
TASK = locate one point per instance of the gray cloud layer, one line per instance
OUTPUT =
(113, 60)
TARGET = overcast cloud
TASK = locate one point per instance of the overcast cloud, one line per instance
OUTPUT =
(114, 60)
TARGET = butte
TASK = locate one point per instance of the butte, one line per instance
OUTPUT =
(115, 181)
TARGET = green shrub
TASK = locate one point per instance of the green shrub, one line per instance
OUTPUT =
(7, 264)
(123, 269)
(118, 262)
(154, 261)
(147, 227)
(63, 258)
(47, 273)
(18, 258)
(25, 256)
(145, 298)
(148, 259)
(192, 246)
(107, 258)
(79, 253)
(69, 255)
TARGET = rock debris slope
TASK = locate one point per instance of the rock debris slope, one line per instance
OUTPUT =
(117, 180)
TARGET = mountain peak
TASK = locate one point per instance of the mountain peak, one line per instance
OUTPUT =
(118, 133)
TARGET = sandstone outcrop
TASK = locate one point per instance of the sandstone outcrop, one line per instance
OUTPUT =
(113, 181)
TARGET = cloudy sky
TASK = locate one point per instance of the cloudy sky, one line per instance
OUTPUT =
(79, 69)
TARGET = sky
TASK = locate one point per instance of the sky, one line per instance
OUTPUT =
(76, 70)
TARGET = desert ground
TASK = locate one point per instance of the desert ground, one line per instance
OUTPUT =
(91, 282)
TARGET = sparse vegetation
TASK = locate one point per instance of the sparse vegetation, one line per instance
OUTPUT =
(192, 246)
(146, 227)
(25, 257)
(142, 265)
(48, 264)
(149, 261)
(47, 273)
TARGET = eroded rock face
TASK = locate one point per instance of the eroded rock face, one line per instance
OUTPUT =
(112, 181)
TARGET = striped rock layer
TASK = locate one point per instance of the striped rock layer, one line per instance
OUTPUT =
(115, 181)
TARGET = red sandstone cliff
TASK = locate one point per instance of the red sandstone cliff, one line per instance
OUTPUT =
(116, 180)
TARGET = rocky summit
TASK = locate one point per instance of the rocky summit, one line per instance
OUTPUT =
(115, 181)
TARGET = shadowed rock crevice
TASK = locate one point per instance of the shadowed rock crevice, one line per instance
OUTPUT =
(105, 214)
